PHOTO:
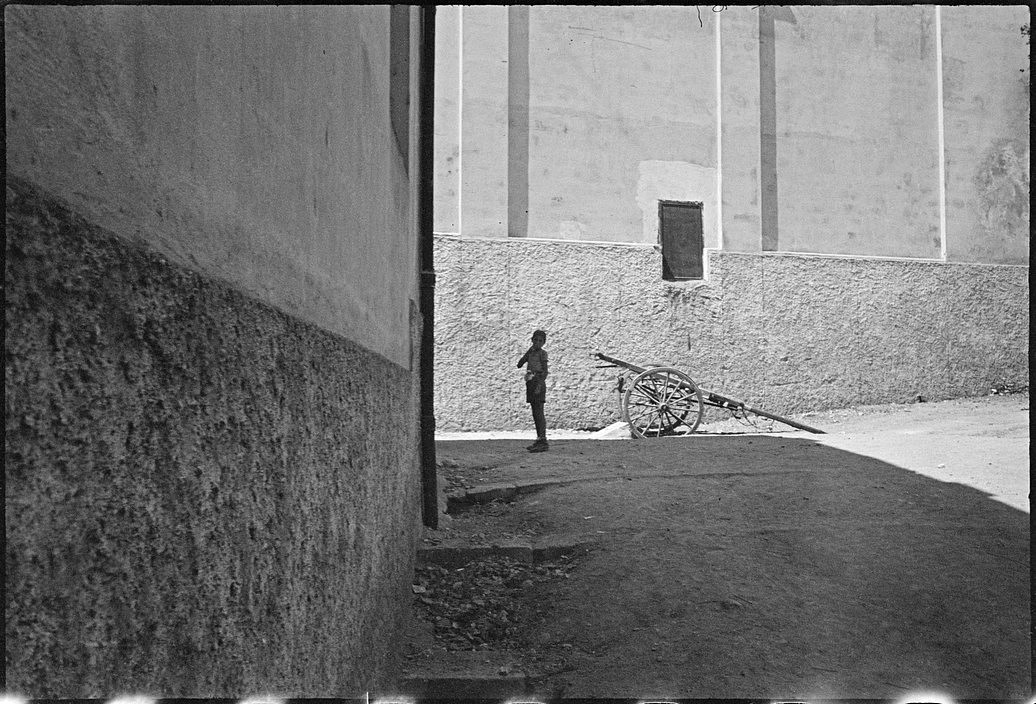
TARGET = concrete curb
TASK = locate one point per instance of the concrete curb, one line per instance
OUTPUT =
(456, 553)
(502, 491)
(547, 550)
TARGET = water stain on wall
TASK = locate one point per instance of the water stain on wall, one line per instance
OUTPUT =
(1002, 183)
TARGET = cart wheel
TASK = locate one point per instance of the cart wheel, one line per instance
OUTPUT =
(660, 400)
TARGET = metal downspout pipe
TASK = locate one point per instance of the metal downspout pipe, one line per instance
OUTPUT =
(430, 502)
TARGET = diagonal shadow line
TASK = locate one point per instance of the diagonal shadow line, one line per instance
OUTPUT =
(874, 576)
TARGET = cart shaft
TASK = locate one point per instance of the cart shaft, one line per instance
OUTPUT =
(715, 399)
(621, 363)
(786, 421)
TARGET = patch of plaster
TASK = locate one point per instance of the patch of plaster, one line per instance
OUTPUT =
(680, 181)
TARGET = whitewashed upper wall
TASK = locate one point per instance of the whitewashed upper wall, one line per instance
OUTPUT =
(625, 105)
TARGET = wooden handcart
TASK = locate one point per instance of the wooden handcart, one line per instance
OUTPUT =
(659, 400)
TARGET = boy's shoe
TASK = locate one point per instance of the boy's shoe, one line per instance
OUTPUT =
(539, 446)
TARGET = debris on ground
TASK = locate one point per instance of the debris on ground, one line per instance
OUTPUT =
(460, 477)
(481, 605)
(479, 523)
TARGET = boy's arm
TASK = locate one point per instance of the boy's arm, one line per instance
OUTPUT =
(524, 359)
(543, 358)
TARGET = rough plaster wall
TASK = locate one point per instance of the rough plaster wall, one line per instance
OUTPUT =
(787, 333)
(987, 123)
(251, 144)
(204, 496)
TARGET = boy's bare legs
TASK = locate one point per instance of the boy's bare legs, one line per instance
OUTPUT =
(541, 428)
(540, 420)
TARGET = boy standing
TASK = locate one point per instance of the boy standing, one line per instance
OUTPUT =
(536, 387)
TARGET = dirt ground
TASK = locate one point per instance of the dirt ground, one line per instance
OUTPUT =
(886, 557)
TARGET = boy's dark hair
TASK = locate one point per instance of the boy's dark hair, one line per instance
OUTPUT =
(540, 333)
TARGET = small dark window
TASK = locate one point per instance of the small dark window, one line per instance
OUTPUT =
(680, 231)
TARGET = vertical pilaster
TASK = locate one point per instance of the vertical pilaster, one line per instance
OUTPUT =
(768, 129)
(942, 133)
(518, 120)
(718, 39)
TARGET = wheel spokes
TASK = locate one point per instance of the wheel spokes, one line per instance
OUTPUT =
(687, 400)
(635, 419)
(661, 400)
(646, 394)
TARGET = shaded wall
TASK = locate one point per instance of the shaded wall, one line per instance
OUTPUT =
(211, 465)
(864, 331)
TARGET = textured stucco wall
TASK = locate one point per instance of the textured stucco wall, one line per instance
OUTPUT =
(987, 123)
(204, 496)
(249, 143)
(785, 332)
